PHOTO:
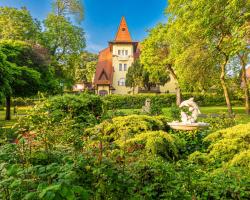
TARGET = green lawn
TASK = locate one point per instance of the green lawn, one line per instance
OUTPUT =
(20, 112)
(240, 115)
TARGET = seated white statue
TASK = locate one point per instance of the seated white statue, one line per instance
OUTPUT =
(193, 108)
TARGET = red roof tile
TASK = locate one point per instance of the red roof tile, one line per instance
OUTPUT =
(123, 34)
(104, 69)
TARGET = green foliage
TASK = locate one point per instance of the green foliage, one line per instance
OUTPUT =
(62, 119)
(64, 41)
(18, 24)
(229, 145)
(219, 122)
(126, 127)
(154, 142)
(175, 112)
(137, 76)
(194, 140)
(86, 66)
(162, 100)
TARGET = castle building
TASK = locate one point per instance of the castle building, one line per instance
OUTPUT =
(113, 64)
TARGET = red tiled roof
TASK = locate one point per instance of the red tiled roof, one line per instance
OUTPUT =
(123, 34)
(104, 69)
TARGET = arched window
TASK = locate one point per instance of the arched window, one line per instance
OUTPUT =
(121, 82)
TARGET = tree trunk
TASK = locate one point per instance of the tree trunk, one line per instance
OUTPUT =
(224, 86)
(7, 116)
(244, 83)
(178, 89)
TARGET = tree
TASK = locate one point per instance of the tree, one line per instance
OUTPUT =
(69, 7)
(217, 24)
(85, 66)
(138, 76)
(154, 56)
(64, 40)
(27, 74)
(4, 76)
(18, 24)
(243, 57)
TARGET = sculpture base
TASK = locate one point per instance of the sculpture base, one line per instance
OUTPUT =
(188, 126)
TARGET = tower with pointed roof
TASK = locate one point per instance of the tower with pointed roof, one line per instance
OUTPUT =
(114, 61)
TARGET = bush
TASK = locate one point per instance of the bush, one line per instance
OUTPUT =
(194, 140)
(126, 127)
(156, 143)
(228, 147)
(61, 119)
(164, 100)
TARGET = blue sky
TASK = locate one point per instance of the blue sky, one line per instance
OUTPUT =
(102, 17)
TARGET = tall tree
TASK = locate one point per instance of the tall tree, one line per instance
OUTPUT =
(64, 40)
(138, 76)
(216, 22)
(154, 56)
(243, 57)
(27, 71)
(85, 66)
(18, 24)
(69, 7)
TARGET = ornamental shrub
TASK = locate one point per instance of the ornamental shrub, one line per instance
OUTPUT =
(164, 100)
(125, 127)
(228, 147)
(61, 119)
(156, 143)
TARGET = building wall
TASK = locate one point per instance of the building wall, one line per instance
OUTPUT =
(103, 87)
(116, 60)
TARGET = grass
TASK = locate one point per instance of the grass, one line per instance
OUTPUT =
(240, 115)
(20, 112)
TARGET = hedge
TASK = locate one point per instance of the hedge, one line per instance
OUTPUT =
(164, 100)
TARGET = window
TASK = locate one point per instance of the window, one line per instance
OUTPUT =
(123, 29)
(121, 82)
(125, 67)
(126, 52)
(120, 67)
(119, 52)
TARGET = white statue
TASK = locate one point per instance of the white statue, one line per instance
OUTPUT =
(191, 114)
(147, 106)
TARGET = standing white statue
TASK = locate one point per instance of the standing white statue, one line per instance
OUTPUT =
(191, 113)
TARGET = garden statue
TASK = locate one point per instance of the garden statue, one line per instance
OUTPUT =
(147, 106)
(189, 111)
(189, 115)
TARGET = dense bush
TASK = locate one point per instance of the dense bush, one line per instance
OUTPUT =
(62, 118)
(163, 100)
(127, 126)
(229, 146)
(129, 157)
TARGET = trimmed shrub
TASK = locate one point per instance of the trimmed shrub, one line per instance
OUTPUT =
(229, 146)
(126, 127)
(155, 142)
(164, 100)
